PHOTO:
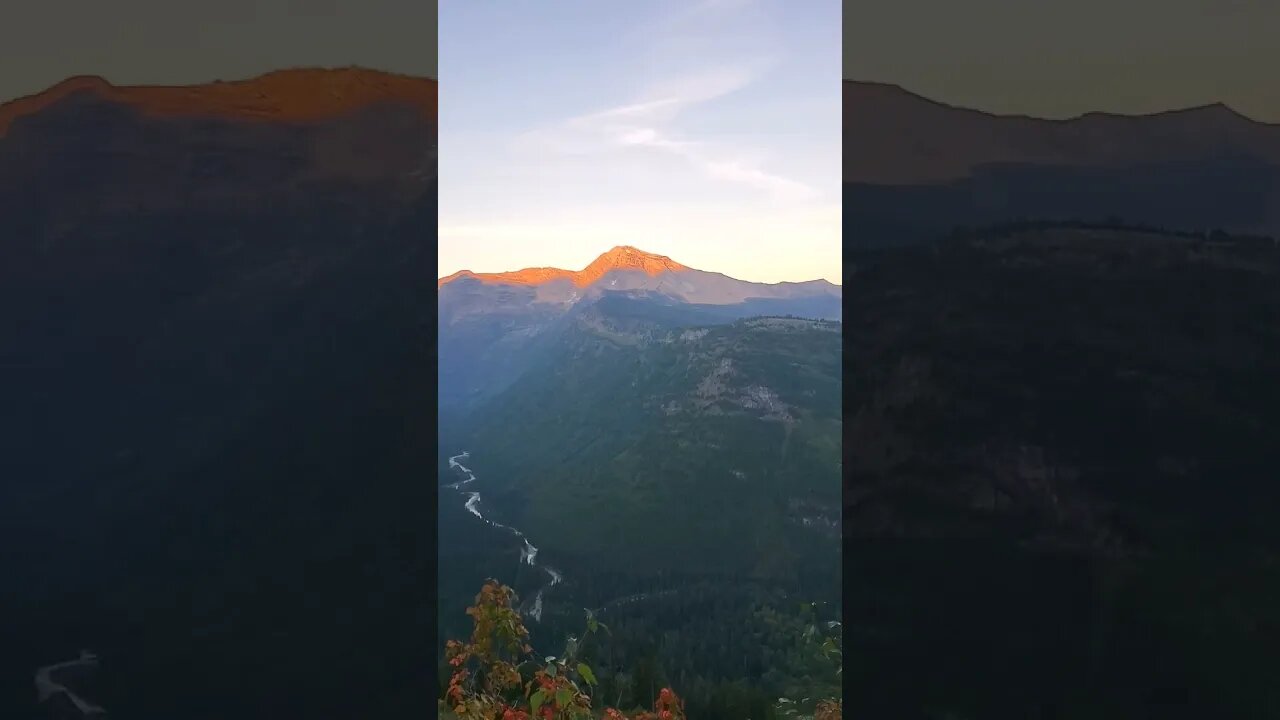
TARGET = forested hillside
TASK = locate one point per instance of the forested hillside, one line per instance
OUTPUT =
(682, 480)
(1061, 493)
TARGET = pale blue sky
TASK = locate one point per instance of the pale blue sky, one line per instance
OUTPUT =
(706, 130)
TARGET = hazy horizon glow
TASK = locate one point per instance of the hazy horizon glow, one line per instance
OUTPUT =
(709, 132)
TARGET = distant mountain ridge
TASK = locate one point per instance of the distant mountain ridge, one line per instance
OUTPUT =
(622, 257)
(914, 168)
(492, 326)
(291, 95)
(88, 149)
(894, 136)
(629, 268)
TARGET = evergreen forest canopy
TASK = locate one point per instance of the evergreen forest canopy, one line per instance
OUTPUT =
(1060, 481)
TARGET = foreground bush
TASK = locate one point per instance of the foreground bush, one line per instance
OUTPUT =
(497, 676)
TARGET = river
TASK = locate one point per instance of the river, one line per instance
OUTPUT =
(48, 686)
(528, 551)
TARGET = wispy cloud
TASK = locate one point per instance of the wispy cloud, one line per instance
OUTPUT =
(650, 123)
(696, 15)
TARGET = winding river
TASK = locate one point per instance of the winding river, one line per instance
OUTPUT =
(528, 551)
(47, 685)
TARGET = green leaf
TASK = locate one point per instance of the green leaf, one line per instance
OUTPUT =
(537, 699)
(563, 697)
(586, 673)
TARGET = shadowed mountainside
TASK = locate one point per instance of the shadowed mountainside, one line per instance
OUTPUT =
(914, 168)
(1039, 381)
(653, 419)
(214, 326)
(1060, 474)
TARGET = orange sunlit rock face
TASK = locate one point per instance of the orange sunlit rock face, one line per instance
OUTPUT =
(299, 96)
(623, 257)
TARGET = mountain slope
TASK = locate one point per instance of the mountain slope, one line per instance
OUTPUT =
(492, 325)
(1048, 382)
(916, 168)
(212, 320)
(1070, 430)
(729, 434)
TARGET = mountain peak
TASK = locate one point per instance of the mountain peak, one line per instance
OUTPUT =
(626, 257)
(622, 257)
(290, 95)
